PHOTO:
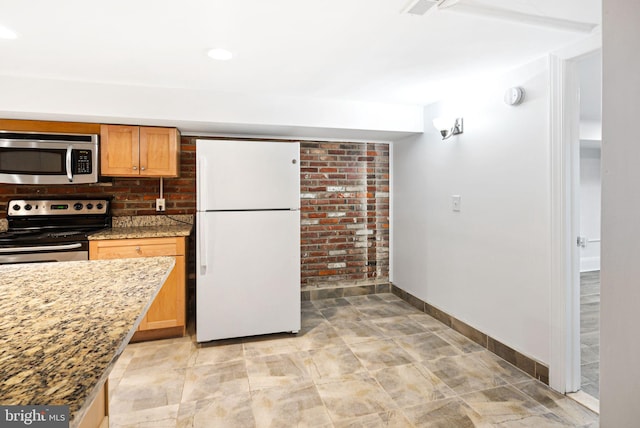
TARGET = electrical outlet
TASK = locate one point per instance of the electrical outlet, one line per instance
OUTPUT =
(160, 206)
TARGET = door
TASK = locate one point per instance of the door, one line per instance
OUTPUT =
(119, 150)
(241, 175)
(167, 309)
(248, 273)
(565, 347)
(589, 189)
(159, 148)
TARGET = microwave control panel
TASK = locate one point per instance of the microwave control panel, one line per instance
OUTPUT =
(82, 162)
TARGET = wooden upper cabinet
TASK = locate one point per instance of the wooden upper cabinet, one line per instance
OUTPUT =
(119, 150)
(138, 151)
(159, 148)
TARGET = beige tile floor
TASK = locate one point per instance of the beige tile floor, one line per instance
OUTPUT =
(366, 361)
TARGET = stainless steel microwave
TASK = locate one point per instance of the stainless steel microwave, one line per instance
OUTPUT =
(48, 158)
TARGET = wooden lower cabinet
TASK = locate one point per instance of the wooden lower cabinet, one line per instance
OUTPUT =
(97, 415)
(166, 316)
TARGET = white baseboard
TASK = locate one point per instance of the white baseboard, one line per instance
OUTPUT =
(589, 264)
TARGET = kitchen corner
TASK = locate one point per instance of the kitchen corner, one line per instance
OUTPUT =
(340, 202)
(64, 325)
(72, 322)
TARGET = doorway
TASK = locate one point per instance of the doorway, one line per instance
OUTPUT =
(565, 356)
(589, 71)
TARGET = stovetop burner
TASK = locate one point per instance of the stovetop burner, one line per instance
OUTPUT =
(65, 234)
(37, 237)
(17, 234)
(15, 237)
(27, 237)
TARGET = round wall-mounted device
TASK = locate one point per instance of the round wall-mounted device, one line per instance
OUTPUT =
(514, 96)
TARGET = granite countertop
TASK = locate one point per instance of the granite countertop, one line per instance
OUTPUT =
(63, 326)
(147, 227)
(142, 232)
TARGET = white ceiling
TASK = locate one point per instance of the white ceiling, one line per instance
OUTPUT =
(362, 50)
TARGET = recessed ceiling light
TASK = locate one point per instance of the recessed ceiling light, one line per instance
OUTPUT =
(220, 54)
(6, 33)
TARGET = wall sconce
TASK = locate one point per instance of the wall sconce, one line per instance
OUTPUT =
(448, 127)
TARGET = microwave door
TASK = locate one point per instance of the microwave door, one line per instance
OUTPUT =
(33, 161)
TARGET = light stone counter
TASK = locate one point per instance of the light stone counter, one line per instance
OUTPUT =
(63, 326)
(140, 227)
(140, 232)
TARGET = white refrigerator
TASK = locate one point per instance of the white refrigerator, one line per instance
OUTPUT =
(248, 238)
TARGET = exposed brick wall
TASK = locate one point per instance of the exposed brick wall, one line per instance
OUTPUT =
(131, 196)
(345, 214)
(345, 208)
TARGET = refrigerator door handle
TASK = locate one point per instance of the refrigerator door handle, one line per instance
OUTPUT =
(202, 240)
(200, 173)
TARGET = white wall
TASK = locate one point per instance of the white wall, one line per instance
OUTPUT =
(204, 111)
(487, 265)
(590, 190)
(620, 289)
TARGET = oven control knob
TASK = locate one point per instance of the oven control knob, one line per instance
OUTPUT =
(77, 206)
(28, 207)
(89, 206)
(16, 207)
(99, 206)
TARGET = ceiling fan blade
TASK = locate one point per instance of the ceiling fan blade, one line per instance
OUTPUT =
(519, 17)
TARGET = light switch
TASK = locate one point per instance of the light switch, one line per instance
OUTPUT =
(455, 203)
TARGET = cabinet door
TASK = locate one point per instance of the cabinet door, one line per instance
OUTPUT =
(167, 310)
(159, 151)
(119, 150)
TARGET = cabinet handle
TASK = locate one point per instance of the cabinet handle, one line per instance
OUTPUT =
(142, 168)
(137, 249)
(135, 168)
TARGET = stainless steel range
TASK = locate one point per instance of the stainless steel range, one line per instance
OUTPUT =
(52, 230)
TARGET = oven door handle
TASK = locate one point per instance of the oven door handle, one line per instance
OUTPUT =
(69, 169)
(40, 248)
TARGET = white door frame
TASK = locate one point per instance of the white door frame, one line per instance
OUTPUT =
(564, 364)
